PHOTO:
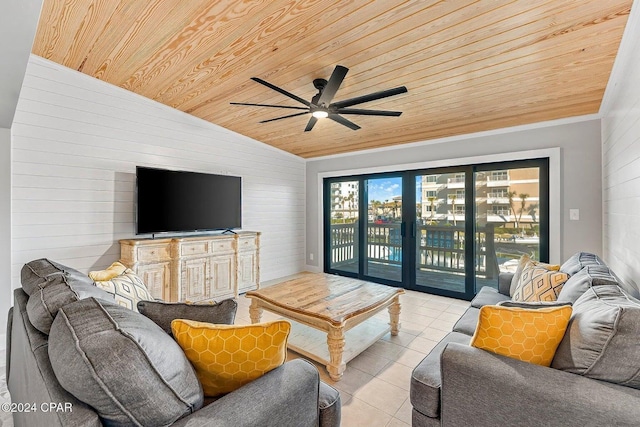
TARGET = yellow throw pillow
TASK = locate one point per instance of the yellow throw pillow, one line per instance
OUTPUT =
(530, 335)
(538, 283)
(112, 271)
(226, 357)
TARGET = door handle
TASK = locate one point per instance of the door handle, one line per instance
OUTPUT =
(403, 229)
(413, 229)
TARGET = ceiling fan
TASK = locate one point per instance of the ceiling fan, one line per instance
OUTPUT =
(321, 105)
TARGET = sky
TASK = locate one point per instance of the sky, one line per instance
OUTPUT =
(386, 188)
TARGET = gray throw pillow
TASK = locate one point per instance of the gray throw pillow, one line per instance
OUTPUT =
(533, 304)
(601, 341)
(163, 313)
(122, 364)
(58, 291)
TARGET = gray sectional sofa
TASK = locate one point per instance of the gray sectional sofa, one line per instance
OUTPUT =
(75, 358)
(594, 379)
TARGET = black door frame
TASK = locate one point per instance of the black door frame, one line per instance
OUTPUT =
(408, 227)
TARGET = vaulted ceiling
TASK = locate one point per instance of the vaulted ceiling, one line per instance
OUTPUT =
(468, 66)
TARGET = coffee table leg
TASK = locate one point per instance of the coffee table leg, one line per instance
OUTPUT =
(335, 341)
(255, 312)
(394, 316)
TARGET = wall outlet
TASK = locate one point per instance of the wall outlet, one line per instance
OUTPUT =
(574, 214)
(311, 257)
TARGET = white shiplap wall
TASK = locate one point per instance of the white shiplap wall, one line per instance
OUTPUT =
(76, 143)
(621, 157)
(5, 231)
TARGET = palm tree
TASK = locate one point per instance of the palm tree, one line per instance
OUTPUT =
(350, 199)
(432, 202)
(523, 201)
(531, 210)
(511, 195)
(453, 198)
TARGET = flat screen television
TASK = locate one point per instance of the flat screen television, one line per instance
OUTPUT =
(181, 201)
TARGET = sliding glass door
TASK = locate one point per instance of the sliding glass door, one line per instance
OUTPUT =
(384, 229)
(440, 235)
(342, 201)
(447, 231)
(511, 217)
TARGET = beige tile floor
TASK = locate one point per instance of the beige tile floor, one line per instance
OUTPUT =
(375, 386)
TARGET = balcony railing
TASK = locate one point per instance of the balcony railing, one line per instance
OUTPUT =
(438, 247)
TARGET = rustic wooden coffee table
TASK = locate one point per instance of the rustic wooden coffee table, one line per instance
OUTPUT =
(341, 307)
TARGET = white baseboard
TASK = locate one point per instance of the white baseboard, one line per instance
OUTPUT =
(313, 268)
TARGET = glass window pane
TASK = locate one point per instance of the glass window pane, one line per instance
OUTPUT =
(507, 221)
(440, 231)
(344, 226)
(383, 238)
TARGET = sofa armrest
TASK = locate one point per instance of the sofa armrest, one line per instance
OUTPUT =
(484, 389)
(504, 283)
(284, 397)
(8, 344)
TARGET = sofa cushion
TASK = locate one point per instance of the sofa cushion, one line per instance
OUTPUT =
(38, 273)
(538, 283)
(578, 261)
(123, 283)
(530, 335)
(578, 284)
(226, 357)
(163, 313)
(34, 274)
(122, 364)
(467, 322)
(602, 339)
(488, 296)
(58, 291)
(426, 379)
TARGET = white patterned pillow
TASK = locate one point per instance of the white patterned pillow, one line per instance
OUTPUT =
(537, 283)
(127, 287)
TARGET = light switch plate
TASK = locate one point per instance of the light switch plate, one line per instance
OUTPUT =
(574, 214)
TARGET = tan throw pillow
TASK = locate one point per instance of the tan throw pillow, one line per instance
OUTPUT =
(524, 260)
(530, 335)
(123, 284)
(537, 283)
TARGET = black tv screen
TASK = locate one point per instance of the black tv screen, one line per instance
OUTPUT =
(177, 201)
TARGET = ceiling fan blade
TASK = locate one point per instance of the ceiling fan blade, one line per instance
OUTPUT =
(343, 121)
(368, 112)
(284, 117)
(333, 85)
(282, 91)
(267, 105)
(311, 124)
(370, 97)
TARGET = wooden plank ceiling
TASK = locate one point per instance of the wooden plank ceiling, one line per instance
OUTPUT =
(469, 66)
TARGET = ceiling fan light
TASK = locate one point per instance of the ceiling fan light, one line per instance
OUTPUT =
(320, 114)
